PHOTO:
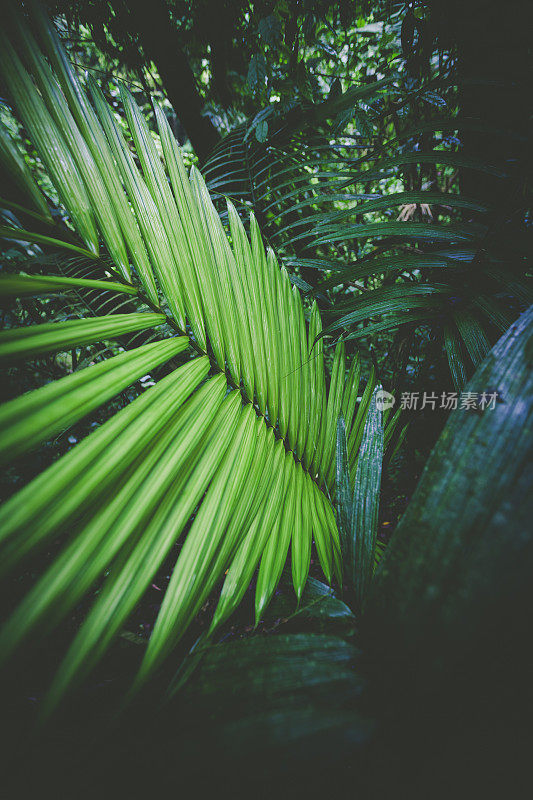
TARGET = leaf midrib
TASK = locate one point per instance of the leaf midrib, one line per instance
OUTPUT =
(317, 479)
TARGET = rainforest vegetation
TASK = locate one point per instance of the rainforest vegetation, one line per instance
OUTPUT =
(265, 430)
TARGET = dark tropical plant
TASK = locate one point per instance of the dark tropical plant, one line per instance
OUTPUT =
(240, 452)
(375, 208)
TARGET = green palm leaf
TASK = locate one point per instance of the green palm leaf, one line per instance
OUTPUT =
(238, 443)
(20, 285)
(53, 337)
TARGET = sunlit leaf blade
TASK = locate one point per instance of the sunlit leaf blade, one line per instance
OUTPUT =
(19, 343)
(132, 573)
(51, 143)
(317, 400)
(322, 537)
(154, 236)
(87, 554)
(301, 535)
(247, 557)
(94, 137)
(205, 547)
(275, 552)
(20, 235)
(89, 168)
(50, 500)
(180, 208)
(154, 174)
(19, 285)
(336, 391)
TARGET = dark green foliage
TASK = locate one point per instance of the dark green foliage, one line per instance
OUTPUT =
(230, 433)
(357, 509)
(458, 568)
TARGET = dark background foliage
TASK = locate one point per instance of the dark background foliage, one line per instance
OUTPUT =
(273, 66)
(258, 70)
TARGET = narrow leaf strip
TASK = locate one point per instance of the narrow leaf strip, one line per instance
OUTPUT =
(366, 503)
(50, 143)
(92, 549)
(247, 557)
(20, 235)
(275, 552)
(19, 285)
(20, 343)
(206, 440)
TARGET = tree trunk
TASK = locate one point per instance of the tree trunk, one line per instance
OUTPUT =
(160, 42)
(492, 48)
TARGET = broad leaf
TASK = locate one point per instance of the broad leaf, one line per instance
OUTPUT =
(457, 571)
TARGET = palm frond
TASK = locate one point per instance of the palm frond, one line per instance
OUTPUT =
(239, 441)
